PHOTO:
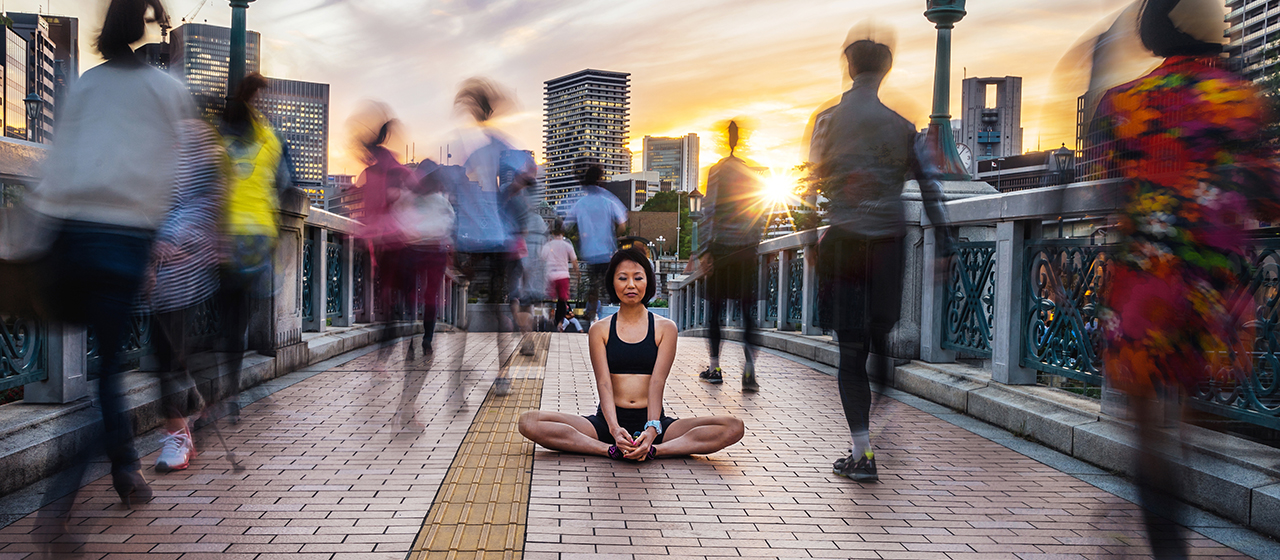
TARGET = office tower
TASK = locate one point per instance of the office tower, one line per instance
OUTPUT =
(299, 111)
(634, 189)
(675, 160)
(65, 34)
(1252, 26)
(13, 52)
(40, 72)
(155, 54)
(991, 119)
(200, 54)
(586, 121)
(344, 198)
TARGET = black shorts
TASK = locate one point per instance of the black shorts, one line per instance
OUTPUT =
(631, 419)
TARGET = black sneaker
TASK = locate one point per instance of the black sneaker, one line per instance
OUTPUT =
(712, 376)
(861, 470)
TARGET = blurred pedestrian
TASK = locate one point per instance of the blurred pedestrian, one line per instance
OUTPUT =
(258, 174)
(863, 155)
(1187, 139)
(600, 217)
(183, 275)
(109, 182)
(560, 260)
(426, 221)
(733, 220)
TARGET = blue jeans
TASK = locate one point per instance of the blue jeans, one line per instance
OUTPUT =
(94, 273)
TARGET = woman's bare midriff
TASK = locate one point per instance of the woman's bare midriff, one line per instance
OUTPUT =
(631, 390)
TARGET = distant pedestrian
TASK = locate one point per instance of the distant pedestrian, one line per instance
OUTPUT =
(570, 324)
(560, 261)
(864, 156)
(734, 219)
(600, 217)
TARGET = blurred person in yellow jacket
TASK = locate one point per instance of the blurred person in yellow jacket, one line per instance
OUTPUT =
(258, 171)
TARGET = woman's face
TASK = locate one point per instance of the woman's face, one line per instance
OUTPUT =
(630, 283)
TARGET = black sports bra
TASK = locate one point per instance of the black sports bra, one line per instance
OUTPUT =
(626, 357)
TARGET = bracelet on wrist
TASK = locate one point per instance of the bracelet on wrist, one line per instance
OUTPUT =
(655, 424)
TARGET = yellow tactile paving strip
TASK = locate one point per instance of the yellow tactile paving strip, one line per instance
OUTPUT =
(482, 507)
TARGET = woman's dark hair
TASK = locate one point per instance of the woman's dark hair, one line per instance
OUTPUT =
(624, 255)
(480, 98)
(125, 24)
(1163, 38)
(237, 111)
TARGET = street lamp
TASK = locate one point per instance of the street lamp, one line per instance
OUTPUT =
(34, 104)
(944, 14)
(662, 241)
(235, 66)
(1063, 158)
(695, 214)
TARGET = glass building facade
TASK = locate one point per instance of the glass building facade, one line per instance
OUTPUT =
(15, 84)
(587, 118)
(675, 160)
(41, 70)
(299, 111)
(200, 55)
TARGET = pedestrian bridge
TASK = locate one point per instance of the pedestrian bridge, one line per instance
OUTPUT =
(1000, 436)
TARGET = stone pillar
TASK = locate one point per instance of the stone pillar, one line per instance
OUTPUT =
(933, 304)
(784, 287)
(810, 291)
(65, 361)
(1007, 338)
(762, 290)
(345, 318)
(284, 318)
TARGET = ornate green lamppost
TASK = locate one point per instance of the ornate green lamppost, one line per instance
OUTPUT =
(235, 70)
(944, 14)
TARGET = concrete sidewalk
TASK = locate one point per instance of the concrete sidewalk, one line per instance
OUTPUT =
(329, 475)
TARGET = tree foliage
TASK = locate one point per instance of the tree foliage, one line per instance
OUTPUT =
(670, 201)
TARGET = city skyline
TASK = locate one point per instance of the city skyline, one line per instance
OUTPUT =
(713, 61)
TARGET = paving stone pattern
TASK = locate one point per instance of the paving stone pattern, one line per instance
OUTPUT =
(329, 476)
(944, 493)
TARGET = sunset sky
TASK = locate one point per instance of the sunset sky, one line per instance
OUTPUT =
(693, 63)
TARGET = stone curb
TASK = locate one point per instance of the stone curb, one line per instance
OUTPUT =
(41, 440)
(1220, 473)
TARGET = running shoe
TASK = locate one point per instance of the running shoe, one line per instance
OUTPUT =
(176, 450)
(861, 470)
(615, 453)
(712, 376)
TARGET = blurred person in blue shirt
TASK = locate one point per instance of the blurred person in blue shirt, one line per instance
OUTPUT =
(600, 217)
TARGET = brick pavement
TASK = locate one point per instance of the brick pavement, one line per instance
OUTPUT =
(944, 493)
(328, 476)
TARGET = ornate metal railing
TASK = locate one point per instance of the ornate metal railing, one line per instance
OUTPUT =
(22, 357)
(771, 291)
(1252, 396)
(795, 287)
(1065, 279)
(308, 279)
(358, 275)
(333, 279)
(970, 298)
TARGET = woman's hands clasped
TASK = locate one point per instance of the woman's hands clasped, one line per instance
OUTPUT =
(640, 451)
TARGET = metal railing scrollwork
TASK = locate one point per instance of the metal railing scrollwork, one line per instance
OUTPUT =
(333, 279)
(358, 280)
(795, 288)
(1065, 282)
(21, 352)
(308, 280)
(135, 344)
(771, 291)
(970, 298)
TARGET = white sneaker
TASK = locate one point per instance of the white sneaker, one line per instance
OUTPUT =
(176, 451)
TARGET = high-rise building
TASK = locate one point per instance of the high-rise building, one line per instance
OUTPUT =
(65, 34)
(155, 54)
(634, 189)
(40, 71)
(200, 55)
(299, 111)
(13, 52)
(991, 118)
(675, 160)
(1252, 26)
(587, 116)
(344, 198)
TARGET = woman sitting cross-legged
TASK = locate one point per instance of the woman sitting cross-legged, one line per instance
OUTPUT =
(631, 354)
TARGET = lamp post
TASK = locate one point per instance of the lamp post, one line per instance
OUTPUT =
(662, 241)
(235, 66)
(34, 106)
(695, 214)
(1063, 158)
(941, 141)
(999, 163)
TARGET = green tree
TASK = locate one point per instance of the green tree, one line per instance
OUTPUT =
(670, 201)
(809, 187)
